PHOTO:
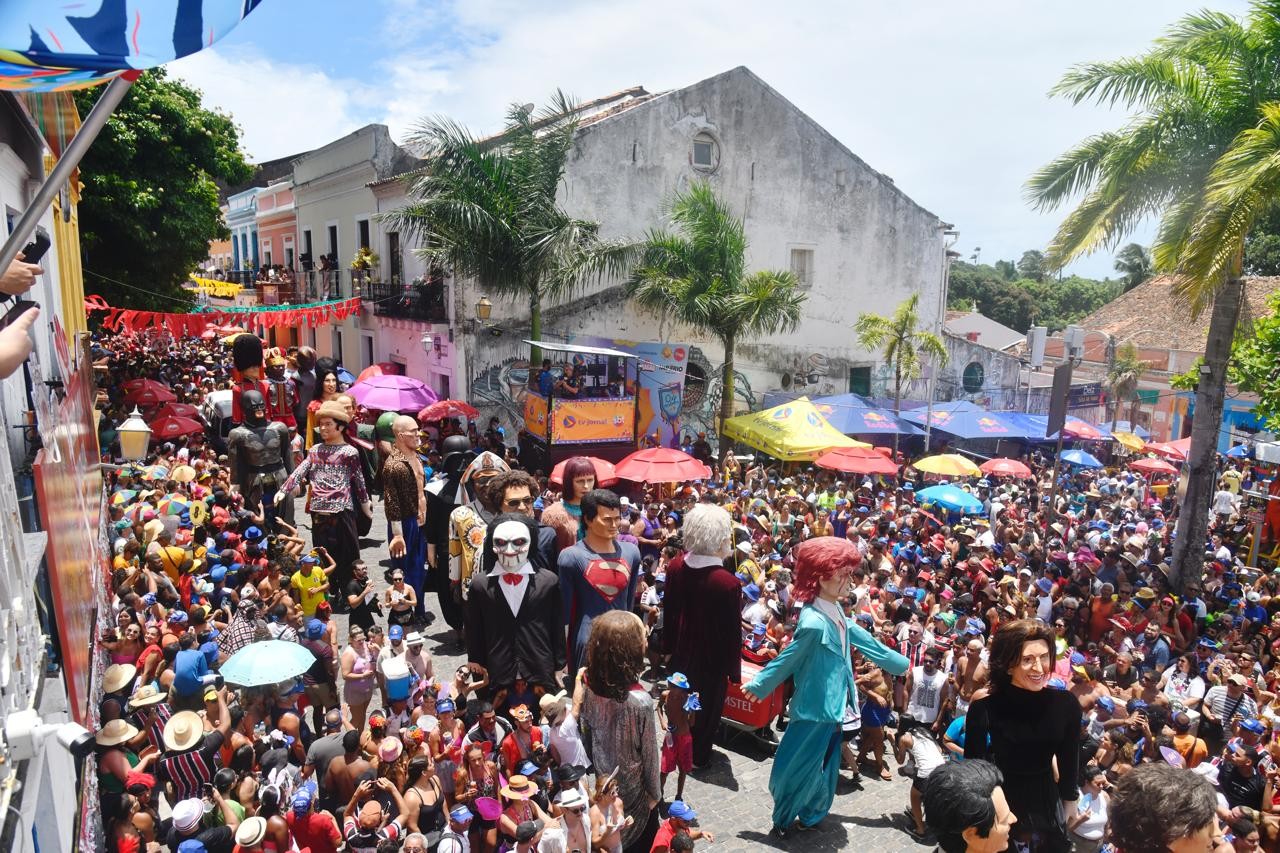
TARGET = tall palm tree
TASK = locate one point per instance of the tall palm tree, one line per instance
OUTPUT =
(1133, 262)
(1200, 153)
(697, 275)
(1122, 379)
(903, 344)
(486, 208)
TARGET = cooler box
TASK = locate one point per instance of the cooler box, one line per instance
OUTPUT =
(745, 712)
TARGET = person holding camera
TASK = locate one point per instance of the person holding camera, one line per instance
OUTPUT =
(366, 825)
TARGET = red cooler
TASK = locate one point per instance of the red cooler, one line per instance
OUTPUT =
(743, 712)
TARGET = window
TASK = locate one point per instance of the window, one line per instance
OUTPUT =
(706, 152)
(333, 240)
(362, 228)
(366, 350)
(860, 380)
(973, 377)
(393, 256)
(802, 266)
(307, 258)
(337, 345)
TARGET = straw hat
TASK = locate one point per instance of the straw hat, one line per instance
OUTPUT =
(144, 696)
(115, 732)
(117, 676)
(183, 731)
(520, 788)
(333, 409)
(251, 831)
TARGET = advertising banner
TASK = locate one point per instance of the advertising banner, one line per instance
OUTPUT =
(661, 367)
(588, 421)
(535, 414)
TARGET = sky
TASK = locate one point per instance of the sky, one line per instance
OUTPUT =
(948, 99)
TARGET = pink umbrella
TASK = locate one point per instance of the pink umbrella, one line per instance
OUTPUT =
(382, 368)
(661, 465)
(1169, 450)
(605, 473)
(448, 409)
(1005, 468)
(390, 393)
(1151, 465)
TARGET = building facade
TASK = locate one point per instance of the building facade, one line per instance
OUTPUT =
(277, 225)
(242, 219)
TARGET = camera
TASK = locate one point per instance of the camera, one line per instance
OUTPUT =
(213, 679)
(26, 734)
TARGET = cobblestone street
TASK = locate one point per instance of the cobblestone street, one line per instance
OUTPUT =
(732, 795)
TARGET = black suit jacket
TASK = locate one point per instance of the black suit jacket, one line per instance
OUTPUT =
(532, 644)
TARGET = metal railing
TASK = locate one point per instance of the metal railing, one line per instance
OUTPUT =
(424, 302)
(299, 286)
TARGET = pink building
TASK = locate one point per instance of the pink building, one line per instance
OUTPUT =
(277, 225)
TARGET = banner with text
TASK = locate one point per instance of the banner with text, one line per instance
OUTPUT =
(535, 414)
(587, 421)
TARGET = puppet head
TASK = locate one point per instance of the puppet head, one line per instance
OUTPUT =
(254, 407)
(819, 559)
(246, 355)
(708, 530)
(508, 541)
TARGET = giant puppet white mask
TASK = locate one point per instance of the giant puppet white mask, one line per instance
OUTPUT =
(511, 545)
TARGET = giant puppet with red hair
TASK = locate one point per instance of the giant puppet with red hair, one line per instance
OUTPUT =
(807, 766)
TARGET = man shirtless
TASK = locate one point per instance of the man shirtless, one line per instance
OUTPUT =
(1087, 686)
(970, 676)
(344, 772)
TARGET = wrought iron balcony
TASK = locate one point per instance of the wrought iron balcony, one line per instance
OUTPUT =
(423, 301)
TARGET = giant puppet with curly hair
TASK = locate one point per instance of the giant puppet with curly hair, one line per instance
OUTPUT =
(805, 770)
(702, 613)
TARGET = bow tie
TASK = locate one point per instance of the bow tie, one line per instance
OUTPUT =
(512, 578)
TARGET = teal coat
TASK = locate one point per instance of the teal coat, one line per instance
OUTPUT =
(823, 680)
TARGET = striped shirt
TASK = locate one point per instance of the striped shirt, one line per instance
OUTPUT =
(1221, 705)
(190, 770)
(155, 731)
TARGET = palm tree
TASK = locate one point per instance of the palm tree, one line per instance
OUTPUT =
(1198, 152)
(486, 208)
(697, 275)
(1133, 262)
(1122, 378)
(903, 344)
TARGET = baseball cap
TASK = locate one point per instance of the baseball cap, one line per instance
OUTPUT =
(1254, 725)
(528, 829)
(1107, 703)
(681, 811)
(1237, 678)
(460, 814)
(315, 629)
(395, 632)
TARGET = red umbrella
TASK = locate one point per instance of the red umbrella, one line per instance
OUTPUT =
(448, 409)
(857, 460)
(178, 410)
(605, 473)
(1005, 468)
(174, 427)
(382, 368)
(661, 465)
(1151, 465)
(1169, 450)
(150, 393)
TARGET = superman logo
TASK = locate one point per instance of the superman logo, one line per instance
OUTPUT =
(609, 577)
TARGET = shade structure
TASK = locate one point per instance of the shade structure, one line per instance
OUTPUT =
(1152, 465)
(183, 474)
(448, 409)
(853, 415)
(661, 465)
(1137, 429)
(1168, 449)
(266, 662)
(178, 410)
(605, 474)
(966, 420)
(391, 393)
(949, 497)
(1129, 440)
(948, 465)
(1036, 427)
(1240, 451)
(1080, 458)
(166, 428)
(857, 460)
(346, 377)
(791, 432)
(382, 368)
(150, 393)
(1005, 468)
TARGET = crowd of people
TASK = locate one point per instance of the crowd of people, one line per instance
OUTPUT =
(604, 628)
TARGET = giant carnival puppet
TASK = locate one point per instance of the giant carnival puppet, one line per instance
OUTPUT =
(444, 494)
(282, 396)
(258, 453)
(246, 373)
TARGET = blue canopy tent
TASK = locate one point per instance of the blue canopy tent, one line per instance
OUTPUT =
(967, 420)
(853, 415)
(1035, 425)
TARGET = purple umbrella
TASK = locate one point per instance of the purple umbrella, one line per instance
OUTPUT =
(389, 393)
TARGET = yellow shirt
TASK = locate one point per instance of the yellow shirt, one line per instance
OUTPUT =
(309, 589)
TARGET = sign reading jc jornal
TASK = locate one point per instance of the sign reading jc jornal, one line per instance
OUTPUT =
(584, 421)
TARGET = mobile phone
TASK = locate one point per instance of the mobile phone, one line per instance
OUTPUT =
(19, 308)
(34, 251)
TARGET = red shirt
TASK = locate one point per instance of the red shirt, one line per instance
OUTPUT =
(666, 832)
(315, 830)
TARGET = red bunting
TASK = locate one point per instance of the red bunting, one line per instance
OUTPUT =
(193, 325)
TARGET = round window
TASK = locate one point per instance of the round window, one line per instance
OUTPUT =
(705, 156)
(973, 377)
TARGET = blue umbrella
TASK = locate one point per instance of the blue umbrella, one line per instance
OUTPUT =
(266, 662)
(345, 376)
(951, 498)
(1080, 458)
(1240, 451)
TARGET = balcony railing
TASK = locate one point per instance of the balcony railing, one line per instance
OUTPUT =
(424, 302)
(299, 286)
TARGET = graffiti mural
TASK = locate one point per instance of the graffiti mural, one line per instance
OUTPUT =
(703, 391)
(813, 375)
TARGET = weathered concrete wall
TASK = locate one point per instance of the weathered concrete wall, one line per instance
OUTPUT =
(980, 375)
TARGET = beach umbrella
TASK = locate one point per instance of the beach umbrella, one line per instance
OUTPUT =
(605, 473)
(345, 376)
(183, 474)
(1130, 440)
(389, 393)
(1152, 465)
(1168, 450)
(163, 428)
(150, 393)
(178, 410)
(1083, 430)
(952, 498)
(441, 409)
(382, 368)
(661, 465)
(1240, 451)
(155, 472)
(173, 505)
(134, 511)
(1080, 459)
(266, 662)
(948, 465)
(857, 460)
(1005, 468)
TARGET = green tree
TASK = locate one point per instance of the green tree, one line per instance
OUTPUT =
(1031, 265)
(487, 209)
(149, 206)
(1007, 270)
(696, 274)
(902, 343)
(1122, 379)
(1199, 152)
(1133, 262)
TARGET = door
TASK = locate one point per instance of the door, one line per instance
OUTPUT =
(860, 380)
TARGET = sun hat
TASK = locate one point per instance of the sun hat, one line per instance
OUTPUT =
(115, 732)
(519, 788)
(572, 798)
(187, 814)
(678, 679)
(251, 831)
(183, 730)
(413, 638)
(390, 748)
(552, 705)
(333, 409)
(145, 695)
(117, 676)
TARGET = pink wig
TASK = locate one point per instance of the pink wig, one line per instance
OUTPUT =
(819, 559)
(578, 466)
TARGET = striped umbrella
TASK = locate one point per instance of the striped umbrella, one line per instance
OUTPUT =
(155, 472)
(174, 505)
(123, 497)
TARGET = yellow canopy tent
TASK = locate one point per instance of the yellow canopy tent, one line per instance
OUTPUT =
(792, 432)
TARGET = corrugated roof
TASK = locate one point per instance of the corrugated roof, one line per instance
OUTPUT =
(991, 334)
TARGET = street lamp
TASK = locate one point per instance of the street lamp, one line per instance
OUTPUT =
(484, 308)
(135, 437)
